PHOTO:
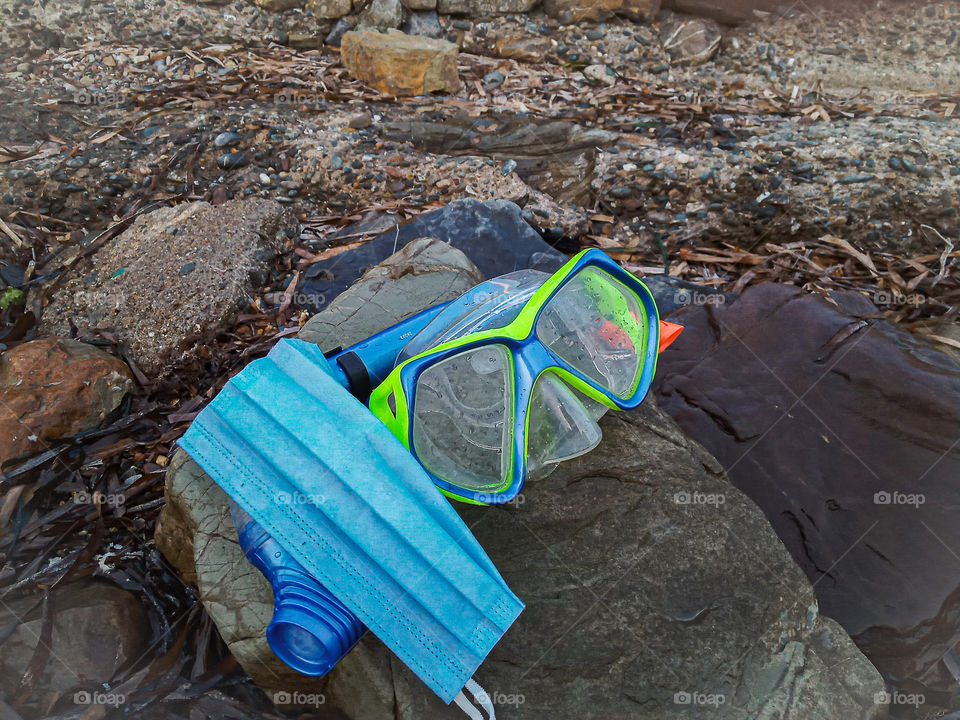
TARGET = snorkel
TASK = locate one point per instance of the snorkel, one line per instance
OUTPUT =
(512, 327)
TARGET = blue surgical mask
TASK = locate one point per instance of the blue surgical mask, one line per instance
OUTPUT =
(327, 480)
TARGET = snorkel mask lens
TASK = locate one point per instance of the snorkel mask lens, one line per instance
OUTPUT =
(596, 325)
(461, 422)
(562, 424)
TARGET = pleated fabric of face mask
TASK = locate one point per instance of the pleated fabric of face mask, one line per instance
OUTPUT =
(332, 484)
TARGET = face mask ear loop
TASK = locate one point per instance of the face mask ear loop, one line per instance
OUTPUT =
(480, 696)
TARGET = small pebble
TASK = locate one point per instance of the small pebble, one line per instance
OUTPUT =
(852, 179)
(227, 139)
(359, 121)
(493, 79)
(232, 161)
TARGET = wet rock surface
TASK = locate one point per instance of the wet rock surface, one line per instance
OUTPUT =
(843, 428)
(613, 546)
(176, 275)
(55, 388)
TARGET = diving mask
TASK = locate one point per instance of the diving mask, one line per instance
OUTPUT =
(505, 382)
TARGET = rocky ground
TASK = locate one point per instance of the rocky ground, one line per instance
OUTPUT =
(176, 179)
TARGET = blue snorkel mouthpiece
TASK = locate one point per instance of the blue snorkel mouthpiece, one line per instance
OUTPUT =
(311, 630)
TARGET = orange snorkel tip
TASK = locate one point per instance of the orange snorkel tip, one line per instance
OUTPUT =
(668, 333)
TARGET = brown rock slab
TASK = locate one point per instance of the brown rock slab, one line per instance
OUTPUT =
(400, 64)
(172, 277)
(844, 430)
(381, 15)
(523, 47)
(54, 388)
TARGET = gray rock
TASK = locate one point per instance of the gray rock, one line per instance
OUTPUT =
(427, 269)
(227, 139)
(98, 628)
(690, 41)
(232, 161)
(341, 28)
(499, 241)
(423, 23)
(652, 585)
(139, 291)
(382, 15)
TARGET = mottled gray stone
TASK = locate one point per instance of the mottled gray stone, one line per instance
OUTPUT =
(424, 273)
(134, 284)
(382, 15)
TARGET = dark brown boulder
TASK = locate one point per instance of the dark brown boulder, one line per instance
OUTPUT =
(846, 432)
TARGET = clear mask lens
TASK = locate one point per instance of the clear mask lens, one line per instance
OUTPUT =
(595, 324)
(462, 423)
(561, 425)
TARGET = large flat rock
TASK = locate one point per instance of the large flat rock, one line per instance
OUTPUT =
(399, 64)
(845, 431)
